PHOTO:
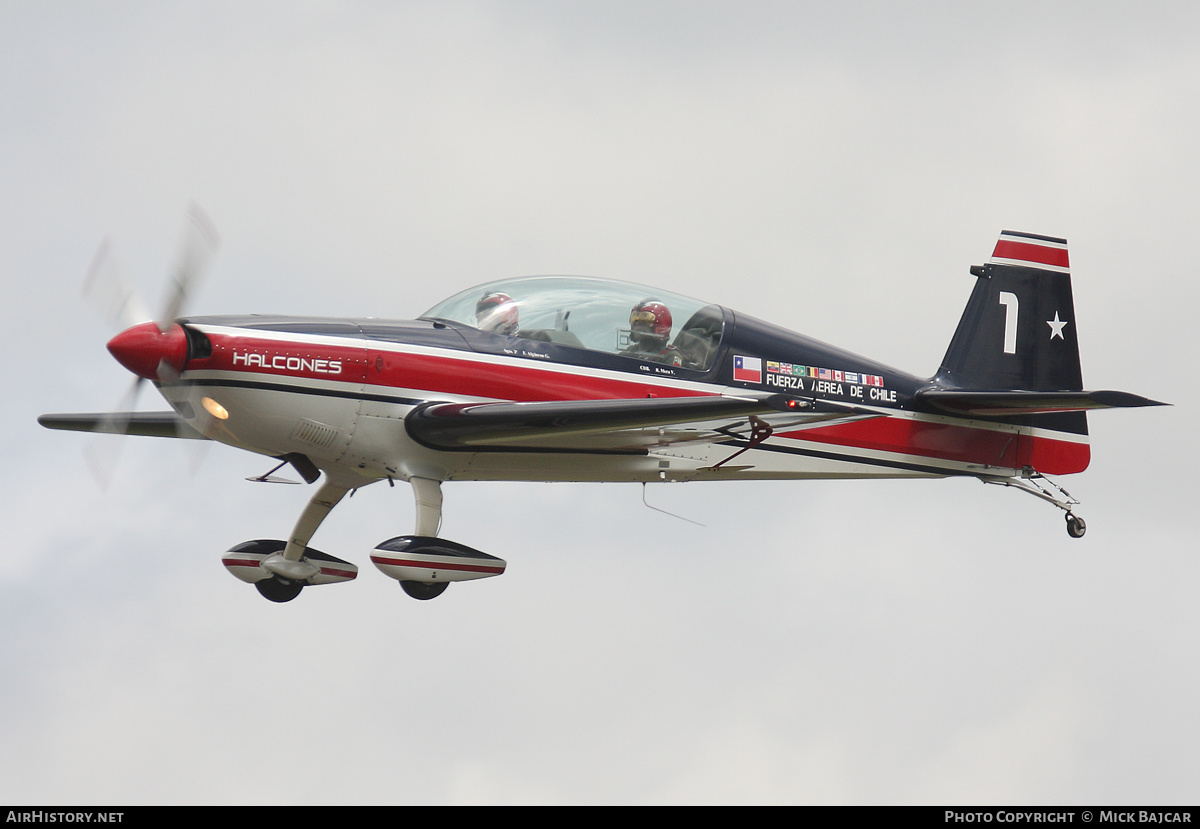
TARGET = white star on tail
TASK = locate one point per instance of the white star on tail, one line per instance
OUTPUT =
(1056, 327)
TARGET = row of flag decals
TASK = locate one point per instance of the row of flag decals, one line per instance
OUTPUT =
(819, 373)
(750, 370)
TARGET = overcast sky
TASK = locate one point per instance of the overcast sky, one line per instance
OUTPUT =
(834, 168)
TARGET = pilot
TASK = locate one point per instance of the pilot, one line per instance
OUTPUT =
(649, 331)
(496, 312)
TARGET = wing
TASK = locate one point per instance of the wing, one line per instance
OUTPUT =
(607, 426)
(998, 403)
(149, 424)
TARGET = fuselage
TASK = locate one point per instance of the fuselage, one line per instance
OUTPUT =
(338, 391)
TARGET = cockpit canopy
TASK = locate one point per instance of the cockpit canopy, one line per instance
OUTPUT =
(596, 314)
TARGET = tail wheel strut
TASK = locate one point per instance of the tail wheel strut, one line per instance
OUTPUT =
(1039, 486)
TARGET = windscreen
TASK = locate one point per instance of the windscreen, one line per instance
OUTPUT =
(620, 318)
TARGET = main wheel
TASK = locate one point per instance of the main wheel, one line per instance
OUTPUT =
(1076, 526)
(280, 590)
(424, 590)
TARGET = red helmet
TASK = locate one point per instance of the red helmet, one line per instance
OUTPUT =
(496, 312)
(650, 323)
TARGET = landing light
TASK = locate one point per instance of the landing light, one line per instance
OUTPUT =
(214, 408)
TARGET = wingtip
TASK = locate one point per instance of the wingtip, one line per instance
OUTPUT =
(1125, 400)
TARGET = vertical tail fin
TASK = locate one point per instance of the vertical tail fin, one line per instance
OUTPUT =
(1018, 329)
(1018, 334)
(1015, 357)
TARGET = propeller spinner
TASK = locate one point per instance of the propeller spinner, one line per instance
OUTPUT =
(143, 348)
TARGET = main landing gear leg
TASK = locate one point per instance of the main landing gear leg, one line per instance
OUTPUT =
(428, 495)
(1039, 486)
(290, 569)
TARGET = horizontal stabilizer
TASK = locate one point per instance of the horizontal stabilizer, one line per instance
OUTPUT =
(600, 425)
(1000, 403)
(147, 424)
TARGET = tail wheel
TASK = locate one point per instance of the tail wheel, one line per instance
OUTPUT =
(424, 590)
(1076, 526)
(279, 590)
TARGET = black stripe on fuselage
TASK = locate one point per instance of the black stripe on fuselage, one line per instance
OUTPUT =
(834, 456)
(348, 395)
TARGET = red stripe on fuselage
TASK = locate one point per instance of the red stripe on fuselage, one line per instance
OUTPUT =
(1054, 457)
(499, 381)
(952, 442)
(438, 374)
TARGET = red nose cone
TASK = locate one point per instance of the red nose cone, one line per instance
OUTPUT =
(141, 348)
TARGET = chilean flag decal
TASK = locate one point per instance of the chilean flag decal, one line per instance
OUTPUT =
(747, 369)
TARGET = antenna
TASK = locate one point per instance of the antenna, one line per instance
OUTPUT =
(664, 512)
